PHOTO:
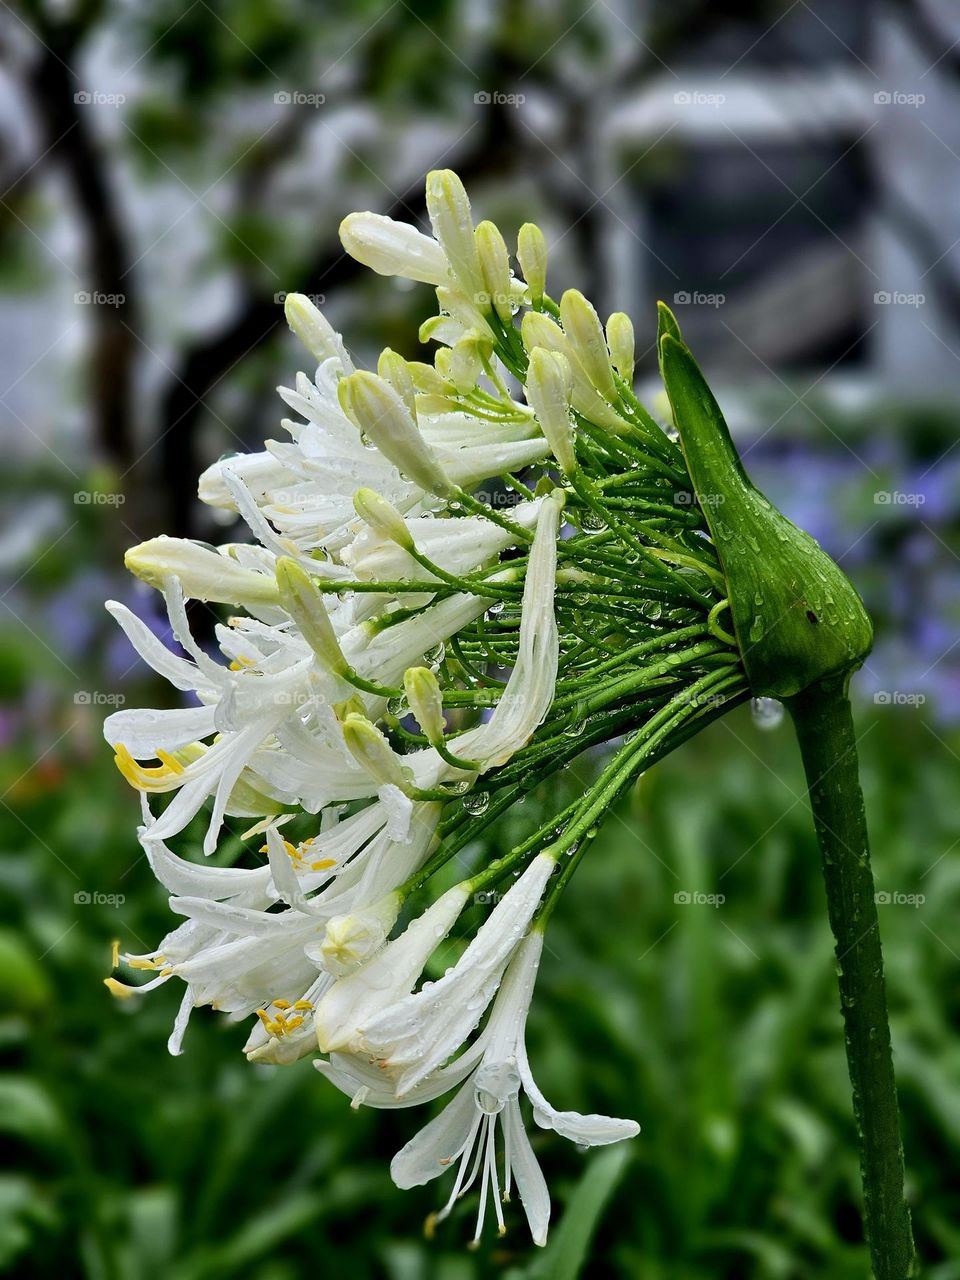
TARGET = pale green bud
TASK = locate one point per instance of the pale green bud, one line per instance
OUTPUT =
(466, 362)
(305, 605)
(582, 326)
(532, 256)
(549, 385)
(393, 369)
(371, 750)
(495, 268)
(452, 222)
(426, 702)
(385, 420)
(314, 331)
(383, 518)
(621, 342)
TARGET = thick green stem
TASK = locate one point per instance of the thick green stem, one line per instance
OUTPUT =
(824, 724)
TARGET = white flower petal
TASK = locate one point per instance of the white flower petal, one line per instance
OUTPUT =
(438, 1143)
(529, 1177)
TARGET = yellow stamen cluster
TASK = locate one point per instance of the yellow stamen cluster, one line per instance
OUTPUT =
(281, 1024)
(299, 853)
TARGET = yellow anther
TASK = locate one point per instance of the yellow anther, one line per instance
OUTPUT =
(323, 864)
(172, 763)
(281, 1004)
(303, 1004)
(166, 973)
(145, 964)
(241, 661)
(119, 989)
(430, 1226)
(153, 778)
(294, 1023)
(114, 953)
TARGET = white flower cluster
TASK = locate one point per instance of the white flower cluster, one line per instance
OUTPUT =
(396, 639)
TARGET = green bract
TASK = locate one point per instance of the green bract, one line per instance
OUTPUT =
(796, 615)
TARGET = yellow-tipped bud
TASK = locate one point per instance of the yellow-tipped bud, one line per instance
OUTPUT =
(372, 751)
(381, 415)
(582, 326)
(621, 342)
(532, 256)
(383, 518)
(426, 702)
(304, 603)
(452, 222)
(495, 268)
(549, 385)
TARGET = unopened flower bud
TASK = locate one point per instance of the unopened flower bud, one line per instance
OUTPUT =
(203, 574)
(385, 420)
(393, 248)
(532, 256)
(466, 362)
(549, 386)
(495, 267)
(393, 369)
(312, 328)
(620, 340)
(305, 605)
(426, 702)
(383, 518)
(797, 617)
(452, 222)
(370, 749)
(582, 326)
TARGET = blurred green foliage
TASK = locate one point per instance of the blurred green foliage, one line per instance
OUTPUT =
(715, 1025)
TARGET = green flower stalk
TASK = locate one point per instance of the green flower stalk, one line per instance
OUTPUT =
(802, 631)
(455, 590)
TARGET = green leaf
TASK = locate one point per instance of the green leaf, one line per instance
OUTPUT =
(566, 1252)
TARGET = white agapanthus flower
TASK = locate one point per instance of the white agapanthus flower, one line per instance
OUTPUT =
(449, 593)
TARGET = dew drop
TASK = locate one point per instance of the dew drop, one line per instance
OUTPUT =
(476, 802)
(767, 713)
